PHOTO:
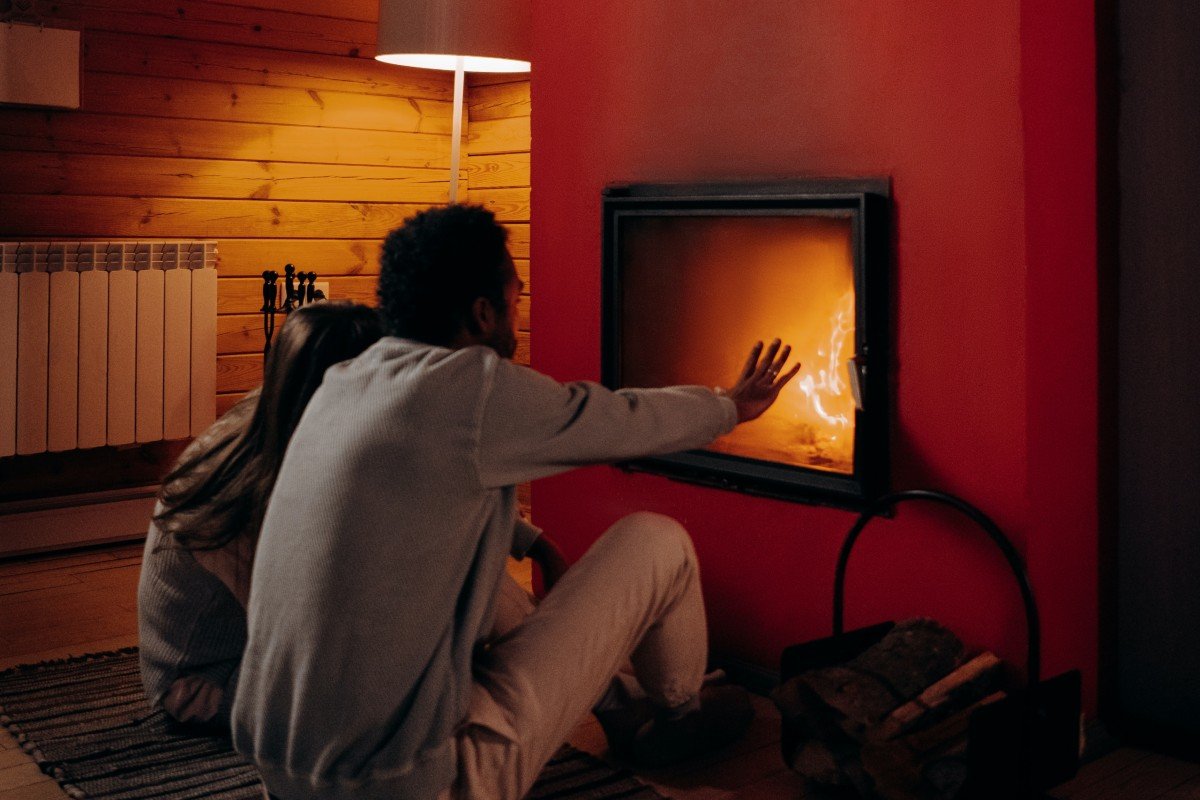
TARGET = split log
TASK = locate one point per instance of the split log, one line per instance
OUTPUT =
(859, 694)
(967, 684)
(925, 763)
(823, 751)
(892, 722)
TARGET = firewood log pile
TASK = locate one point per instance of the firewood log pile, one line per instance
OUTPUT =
(892, 722)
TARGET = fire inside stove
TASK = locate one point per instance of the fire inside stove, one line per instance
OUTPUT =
(697, 292)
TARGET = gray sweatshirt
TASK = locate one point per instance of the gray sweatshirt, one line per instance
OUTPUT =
(384, 543)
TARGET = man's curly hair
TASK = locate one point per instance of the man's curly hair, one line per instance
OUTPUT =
(435, 265)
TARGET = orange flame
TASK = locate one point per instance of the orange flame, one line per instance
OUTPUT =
(829, 379)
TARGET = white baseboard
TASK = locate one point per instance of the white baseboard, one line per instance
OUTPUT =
(60, 523)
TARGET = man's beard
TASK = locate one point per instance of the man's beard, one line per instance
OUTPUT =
(503, 340)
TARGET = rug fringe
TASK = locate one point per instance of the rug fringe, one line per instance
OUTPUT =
(58, 662)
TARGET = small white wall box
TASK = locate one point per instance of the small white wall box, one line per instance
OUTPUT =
(39, 66)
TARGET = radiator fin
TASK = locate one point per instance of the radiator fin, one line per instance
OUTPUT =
(33, 352)
(8, 354)
(93, 359)
(62, 404)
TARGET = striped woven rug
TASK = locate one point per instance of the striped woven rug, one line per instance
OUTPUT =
(86, 722)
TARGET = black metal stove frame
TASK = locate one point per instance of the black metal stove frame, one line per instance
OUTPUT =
(867, 203)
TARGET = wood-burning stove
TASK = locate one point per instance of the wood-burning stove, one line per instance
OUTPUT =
(695, 273)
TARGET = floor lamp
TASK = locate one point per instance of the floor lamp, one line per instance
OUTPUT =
(458, 35)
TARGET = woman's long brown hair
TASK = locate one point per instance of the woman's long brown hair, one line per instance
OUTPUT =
(217, 493)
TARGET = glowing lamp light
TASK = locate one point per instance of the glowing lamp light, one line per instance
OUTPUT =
(450, 62)
(458, 35)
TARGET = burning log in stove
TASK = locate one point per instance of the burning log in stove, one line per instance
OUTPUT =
(891, 722)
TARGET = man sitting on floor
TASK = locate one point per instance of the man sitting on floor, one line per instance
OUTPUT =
(369, 672)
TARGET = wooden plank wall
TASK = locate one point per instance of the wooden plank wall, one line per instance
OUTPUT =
(498, 144)
(263, 124)
(267, 128)
(497, 174)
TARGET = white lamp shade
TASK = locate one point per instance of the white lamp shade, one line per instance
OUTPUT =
(488, 35)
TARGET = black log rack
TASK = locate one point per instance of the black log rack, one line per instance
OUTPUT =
(1017, 748)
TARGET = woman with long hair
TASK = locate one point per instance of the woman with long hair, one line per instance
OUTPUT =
(195, 577)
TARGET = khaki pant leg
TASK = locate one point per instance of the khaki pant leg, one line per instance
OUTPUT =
(635, 595)
(513, 605)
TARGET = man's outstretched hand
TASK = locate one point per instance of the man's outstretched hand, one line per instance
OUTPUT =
(761, 381)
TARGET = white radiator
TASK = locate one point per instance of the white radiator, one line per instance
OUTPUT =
(105, 343)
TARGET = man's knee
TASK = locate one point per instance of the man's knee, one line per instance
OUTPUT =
(654, 538)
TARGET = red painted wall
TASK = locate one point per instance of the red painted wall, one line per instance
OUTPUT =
(981, 114)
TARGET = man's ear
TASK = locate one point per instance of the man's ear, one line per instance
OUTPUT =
(483, 317)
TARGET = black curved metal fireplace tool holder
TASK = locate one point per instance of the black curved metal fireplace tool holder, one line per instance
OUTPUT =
(1017, 747)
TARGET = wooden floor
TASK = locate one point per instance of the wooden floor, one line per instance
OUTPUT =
(55, 606)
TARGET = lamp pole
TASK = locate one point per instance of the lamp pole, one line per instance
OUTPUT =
(456, 134)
